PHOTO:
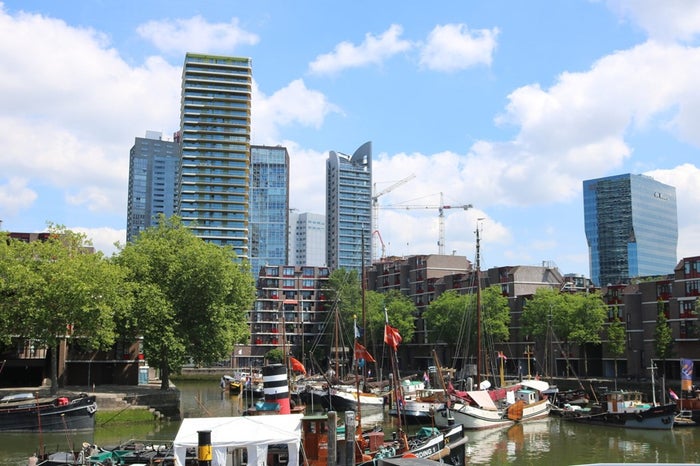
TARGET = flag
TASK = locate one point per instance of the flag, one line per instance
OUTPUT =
(686, 374)
(672, 394)
(392, 336)
(502, 356)
(297, 366)
(358, 330)
(426, 379)
(362, 353)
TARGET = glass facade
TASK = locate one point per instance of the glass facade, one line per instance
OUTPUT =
(269, 206)
(631, 225)
(214, 176)
(349, 209)
(153, 166)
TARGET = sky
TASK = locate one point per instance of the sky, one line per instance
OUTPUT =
(506, 106)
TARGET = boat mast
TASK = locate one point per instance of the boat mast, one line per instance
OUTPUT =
(478, 308)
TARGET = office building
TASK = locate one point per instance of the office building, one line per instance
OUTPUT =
(349, 209)
(269, 206)
(631, 225)
(153, 166)
(214, 178)
(307, 239)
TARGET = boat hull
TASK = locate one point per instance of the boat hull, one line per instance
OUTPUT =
(654, 418)
(59, 414)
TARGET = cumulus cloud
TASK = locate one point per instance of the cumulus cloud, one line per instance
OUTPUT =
(666, 20)
(177, 36)
(293, 104)
(373, 50)
(103, 239)
(15, 195)
(453, 47)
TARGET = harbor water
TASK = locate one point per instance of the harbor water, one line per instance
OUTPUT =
(548, 441)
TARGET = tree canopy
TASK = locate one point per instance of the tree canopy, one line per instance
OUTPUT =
(190, 297)
(55, 289)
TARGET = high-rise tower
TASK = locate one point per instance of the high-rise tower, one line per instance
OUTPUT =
(153, 165)
(631, 225)
(349, 209)
(307, 239)
(214, 173)
(269, 206)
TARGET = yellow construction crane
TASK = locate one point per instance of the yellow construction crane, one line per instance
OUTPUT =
(441, 217)
(375, 207)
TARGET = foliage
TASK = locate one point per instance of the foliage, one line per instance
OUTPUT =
(616, 341)
(57, 289)
(444, 316)
(191, 297)
(663, 338)
(275, 356)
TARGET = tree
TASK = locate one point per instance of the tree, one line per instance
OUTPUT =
(586, 315)
(444, 317)
(191, 297)
(663, 337)
(57, 289)
(616, 341)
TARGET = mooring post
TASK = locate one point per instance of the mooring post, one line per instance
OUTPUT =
(349, 438)
(332, 459)
(204, 447)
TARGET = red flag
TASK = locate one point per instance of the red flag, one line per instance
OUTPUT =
(362, 353)
(391, 336)
(297, 366)
(502, 356)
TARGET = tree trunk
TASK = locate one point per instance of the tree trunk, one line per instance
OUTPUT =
(164, 376)
(53, 369)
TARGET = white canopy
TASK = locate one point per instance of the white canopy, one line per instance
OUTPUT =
(539, 385)
(254, 433)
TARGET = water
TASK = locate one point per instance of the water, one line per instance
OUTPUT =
(549, 441)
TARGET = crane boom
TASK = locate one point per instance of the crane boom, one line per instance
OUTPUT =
(375, 207)
(441, 217)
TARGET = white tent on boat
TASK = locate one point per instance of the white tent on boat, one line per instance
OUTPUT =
(254, 433)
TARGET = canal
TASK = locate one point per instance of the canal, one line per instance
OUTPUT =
(549, 441)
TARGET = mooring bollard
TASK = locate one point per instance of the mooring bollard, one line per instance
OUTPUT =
(204, 447)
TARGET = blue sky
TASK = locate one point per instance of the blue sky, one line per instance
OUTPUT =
(504, 105)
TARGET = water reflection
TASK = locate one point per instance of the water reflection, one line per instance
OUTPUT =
(547, 441)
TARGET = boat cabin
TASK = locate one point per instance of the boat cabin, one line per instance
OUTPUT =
(625, 402)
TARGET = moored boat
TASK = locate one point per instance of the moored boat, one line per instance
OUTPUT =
(624, 409)
(25, 412)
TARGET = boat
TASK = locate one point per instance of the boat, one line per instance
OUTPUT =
(624, 409)
(420, 406)
(477, 409)
(27, 412)
(490, 408)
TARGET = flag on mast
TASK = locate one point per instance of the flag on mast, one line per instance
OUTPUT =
(362, 353)
(686, 374)
(392, 336)
(297, 366)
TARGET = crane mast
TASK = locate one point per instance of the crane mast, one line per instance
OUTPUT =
(375, 209)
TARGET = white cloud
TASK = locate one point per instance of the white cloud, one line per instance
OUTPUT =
(103, 239)
(15, 195)
(665, 20)
(196, 34)
(453, 47)
(293, 104)
(374, 50)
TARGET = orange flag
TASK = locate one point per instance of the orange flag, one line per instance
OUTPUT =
(362, 353)
(297, 366)
(392, 336)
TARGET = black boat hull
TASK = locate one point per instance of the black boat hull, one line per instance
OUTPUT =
(77, 413)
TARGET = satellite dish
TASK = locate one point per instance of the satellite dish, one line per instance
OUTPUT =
(485, 385)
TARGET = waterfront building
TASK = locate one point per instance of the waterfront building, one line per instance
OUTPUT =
(307, 239)
(631, 225)
(349, 209)
(214, 176)
(153, 166)
(269, 206)
(290, 311)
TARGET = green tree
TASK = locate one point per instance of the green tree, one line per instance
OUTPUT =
(275, 356)
(663, 337)
(191, 297)
(617, 341)
(444, 316)
(586, 315)
(57, 289)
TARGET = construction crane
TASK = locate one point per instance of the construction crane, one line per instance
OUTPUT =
(441, 217)
(375, 206)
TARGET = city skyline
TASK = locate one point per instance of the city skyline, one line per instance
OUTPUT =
(494, 104)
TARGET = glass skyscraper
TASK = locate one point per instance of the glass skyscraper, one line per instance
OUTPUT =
(153, 165)
(269, 206)
(631, 224)
(349, 209)
(214, 173)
